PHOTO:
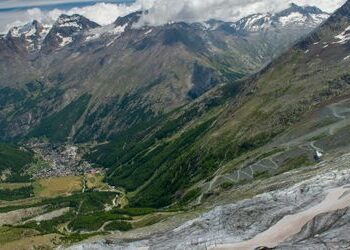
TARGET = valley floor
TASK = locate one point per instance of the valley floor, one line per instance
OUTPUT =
(288, 199)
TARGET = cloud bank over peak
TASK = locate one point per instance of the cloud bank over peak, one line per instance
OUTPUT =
(164, 11)
(101, 13)
(161, 11)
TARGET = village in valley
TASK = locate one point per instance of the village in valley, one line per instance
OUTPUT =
(58, 161)
(63, 170)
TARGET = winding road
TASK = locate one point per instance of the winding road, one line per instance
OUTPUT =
(338, 110)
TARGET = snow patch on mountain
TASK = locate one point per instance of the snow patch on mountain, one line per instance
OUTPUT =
(120, 29)
(92, 36)
(64, 40)
(148, 32)
(107, 32)
(343, 37)
(319, 18)
(45, 30)
(293, 18)
(69, 21)
(253, 23)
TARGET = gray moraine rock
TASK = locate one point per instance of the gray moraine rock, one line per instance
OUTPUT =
(235, 224)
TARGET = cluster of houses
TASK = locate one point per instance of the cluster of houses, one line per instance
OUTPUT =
(62, 160)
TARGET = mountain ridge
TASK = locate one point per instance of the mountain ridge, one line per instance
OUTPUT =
(117, 64)
(238, 26)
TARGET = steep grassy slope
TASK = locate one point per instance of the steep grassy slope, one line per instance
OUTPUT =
(190, 145)
(57, 127)
(13, 162)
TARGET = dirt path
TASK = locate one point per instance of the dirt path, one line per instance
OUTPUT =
(115, 200)
(212, 182)
(84, 184)
(338, 198)
(344, 120)
(314, 147)
(273, 162)
(102, 228)
(336, 114)
(50, 215)
(340, 112)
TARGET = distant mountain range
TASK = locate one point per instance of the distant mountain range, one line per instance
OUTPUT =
(128, 76)
(66, 27)
(293, 17)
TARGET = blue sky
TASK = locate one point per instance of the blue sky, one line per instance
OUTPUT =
(16, 5)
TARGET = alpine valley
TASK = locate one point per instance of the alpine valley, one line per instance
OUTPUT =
(195, 135)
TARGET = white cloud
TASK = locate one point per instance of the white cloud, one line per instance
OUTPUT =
(163, 11)
(326, 5)
(27, 3)
(101, 13)
(198, 10)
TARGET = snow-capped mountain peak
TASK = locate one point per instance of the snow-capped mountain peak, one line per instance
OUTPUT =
(75, 23)
(128, 21)
(293, 16)
(69, 30)
(30, 30)
(66, 30)
(32, 34)
(305, 10)
(300, 15)
(26, 31)
(113, 31)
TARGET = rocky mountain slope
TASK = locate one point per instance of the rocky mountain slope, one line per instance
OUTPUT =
(278, 30)
(116, 77)
(293, 17)
(280, 146)
(229, 125)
